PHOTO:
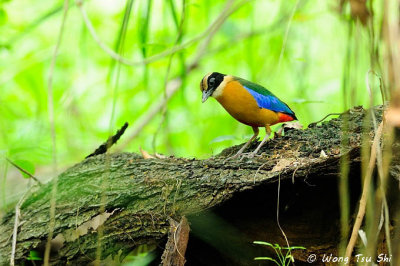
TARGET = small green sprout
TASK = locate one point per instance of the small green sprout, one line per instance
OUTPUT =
(283, 259)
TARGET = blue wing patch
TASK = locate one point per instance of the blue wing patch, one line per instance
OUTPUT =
(269, 102)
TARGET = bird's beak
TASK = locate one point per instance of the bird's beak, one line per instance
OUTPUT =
(206, 94)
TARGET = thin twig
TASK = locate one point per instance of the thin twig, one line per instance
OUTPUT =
(387, 226)
(34, 24)
(16, 225)
(213, 29)
(379, 160)
(120, 45)
(286, 36)
(24, 171)
(325, 117)
(123, 60)
(369, 87)
(380, 85)
(110, 141)
(364, 195)
(53, 135)
(3, 184)
(258, 169)
(277, 214)
(174, 84)
(15, 232)
(96, 38)
(172, 87)
(164, 108)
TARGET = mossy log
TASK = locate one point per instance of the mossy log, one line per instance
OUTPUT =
(228, 203)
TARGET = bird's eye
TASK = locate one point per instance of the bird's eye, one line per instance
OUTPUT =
(212, 82)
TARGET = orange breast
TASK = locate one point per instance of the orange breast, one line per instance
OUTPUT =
(240, 104)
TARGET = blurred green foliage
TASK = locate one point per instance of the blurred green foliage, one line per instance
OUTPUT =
(308, 53)
(302, 64)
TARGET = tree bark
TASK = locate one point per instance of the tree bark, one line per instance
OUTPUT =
(141, 195)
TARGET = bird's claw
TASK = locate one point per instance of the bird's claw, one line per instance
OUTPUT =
(241, 156)
(249, 155)
(231, 158)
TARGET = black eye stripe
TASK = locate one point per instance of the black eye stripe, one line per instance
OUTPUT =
(214, 79)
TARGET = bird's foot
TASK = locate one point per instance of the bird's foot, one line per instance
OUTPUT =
(232, 157)
(241, 156)
(248, 155)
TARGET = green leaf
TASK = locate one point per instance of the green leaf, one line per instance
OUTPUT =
(294, 247)
(34, 255)
(266, 258)
(289, 257)
(27, 166)
(263, 243)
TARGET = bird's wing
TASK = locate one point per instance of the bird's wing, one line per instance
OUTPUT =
(265, 98)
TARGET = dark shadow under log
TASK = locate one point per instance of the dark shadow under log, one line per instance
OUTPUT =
(228, 204)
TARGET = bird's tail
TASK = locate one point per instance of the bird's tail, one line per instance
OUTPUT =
(283, 117)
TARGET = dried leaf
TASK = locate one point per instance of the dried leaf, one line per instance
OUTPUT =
(73, 234)
(283, 163)
(160, 156)
(335, 151)
(58, 242)
(289, 126)
(294, 125)
(359, 10)
(145, 154)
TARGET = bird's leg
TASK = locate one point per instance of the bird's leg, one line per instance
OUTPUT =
(256, 131)
(268, 133)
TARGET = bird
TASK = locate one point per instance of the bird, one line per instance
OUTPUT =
(247, 102)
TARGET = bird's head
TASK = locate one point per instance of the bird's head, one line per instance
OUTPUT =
(210, 83)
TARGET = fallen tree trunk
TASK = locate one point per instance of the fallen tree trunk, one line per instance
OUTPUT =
(141, 195)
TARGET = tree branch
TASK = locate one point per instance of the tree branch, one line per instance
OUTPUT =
(144, 194)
